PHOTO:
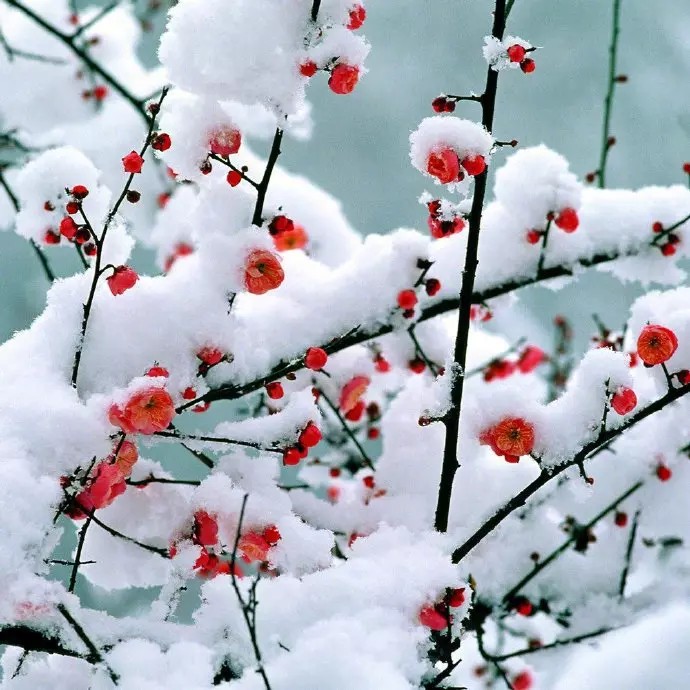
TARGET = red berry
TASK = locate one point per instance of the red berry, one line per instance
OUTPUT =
(79, 191)
(132, 163)
(474, 165)
(686, 168)
(133, 196)
(369, 481)
(234, 178)
(533, 236)
(663, 472)
(456, 597)
(407, 299)
(189, 393)
(528, 65)
(271, 534)
(100, 92)
(524, 606)
(206, 168)
(657, 227)
(343, 79)
(51, 237)
(381, 364)
(668, 249)
(291, 456)
(432, 286)
(122, 279)
(443, 105)
(522, 681)
(275, 390)
(516, 53)
(161, 142)
(210, 355)
(90, 249)
(225, 141)
(356, 18)
(356, 412)
(315, 359)
(72, 207)
(308, 68)
(567, 220)
(68, 228)
(416, 365)
(531, 357)
(334, 471)
(432, 619)
(624, 401)
(656, 344)
(443, 165)
(158, 371)
(620, 519)
(310, 436)
(373, 433)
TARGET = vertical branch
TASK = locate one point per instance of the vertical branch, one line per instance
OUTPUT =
(262, 188)
(608, 101)
(77, 557)
(248, 608)
(100, 241)
(452, 417)
(315, 9)
(628, 556)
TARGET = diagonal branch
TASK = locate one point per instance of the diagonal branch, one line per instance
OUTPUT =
(588, 451)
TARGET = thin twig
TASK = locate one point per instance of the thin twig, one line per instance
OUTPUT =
(346, 427)
(100, 241)
(96, 18)
(216, 439)
(93, 650)
(628, 556)
(77, 557)
(542, 564)
(248, 613)
(608, 101)
(590, 450)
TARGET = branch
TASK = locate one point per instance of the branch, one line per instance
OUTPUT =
(628, 556)
(77, 557)
(589, 450)
(93, 650)
(97, 18)
(608, 101)
(137, 104)
(566, 544)
(315, 10)
(248, 609)
(346, 427)
(37, 250)
(262, 188)
(451, 419)
(35, 641)
(215, 439)
(552, 645)
(98, 270)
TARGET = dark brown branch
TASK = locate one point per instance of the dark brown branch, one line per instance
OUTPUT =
(357, 335)
(100, 241)
(608, 100)
(346, 428)
(552, 645)
(248, 608)
(94, 653)
(77, 557)
(589, 450)
(216, 439)
(262, 188)
(628, 556)
(35, 641)
(451, 419)
(567, 543)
